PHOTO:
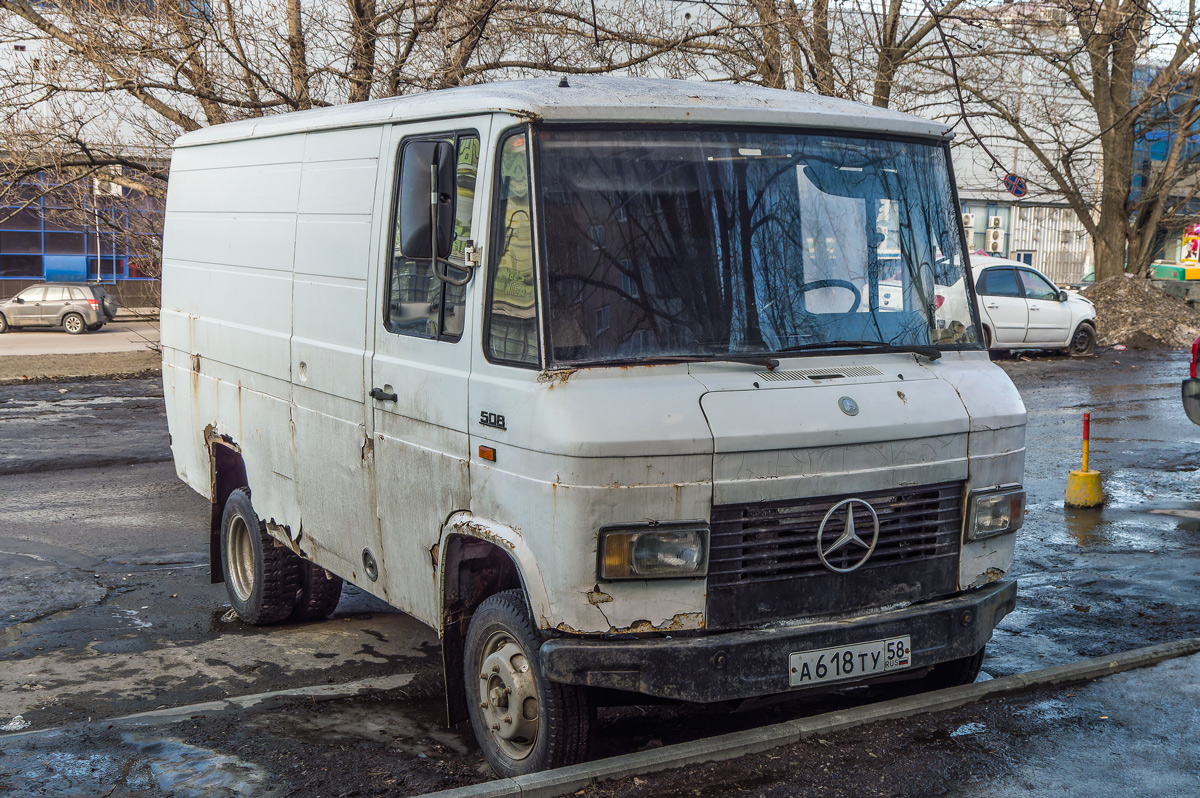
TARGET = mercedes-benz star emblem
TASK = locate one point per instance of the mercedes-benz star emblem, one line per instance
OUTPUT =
(849, 534)
(848, 405)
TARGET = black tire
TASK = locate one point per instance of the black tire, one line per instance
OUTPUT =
(3, 324)
(1083, 342)
(262, 579)
(320, 592)
(500, 660)
(74, 324)
(94, 327)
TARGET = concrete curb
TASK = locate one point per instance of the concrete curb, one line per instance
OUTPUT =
(730, 746)
(322, 692)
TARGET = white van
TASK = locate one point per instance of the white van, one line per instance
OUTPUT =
(595, 379)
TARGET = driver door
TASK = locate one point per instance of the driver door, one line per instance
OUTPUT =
(1049, 318)
(419, 376)
(29, 310)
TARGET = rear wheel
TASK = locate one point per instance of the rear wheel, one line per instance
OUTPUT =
(1083, 342)
(262, 579)
(73, 323)
(320, 592)
(523, 722)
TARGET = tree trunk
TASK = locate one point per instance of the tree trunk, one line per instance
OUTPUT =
(298, 59)
(770, 67)
(822, 54)
(1112, 228)
(889, 56)
(365, 31)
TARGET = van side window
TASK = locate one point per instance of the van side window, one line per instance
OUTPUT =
(512, 311)
(418, 303)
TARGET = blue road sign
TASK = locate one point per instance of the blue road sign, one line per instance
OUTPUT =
(1015, 185)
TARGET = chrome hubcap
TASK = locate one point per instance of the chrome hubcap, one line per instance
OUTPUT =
(239, 559)
(508, 696)
(73, 324)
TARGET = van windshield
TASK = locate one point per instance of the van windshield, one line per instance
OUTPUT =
(661, 242)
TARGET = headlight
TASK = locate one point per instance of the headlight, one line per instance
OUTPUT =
(669, 550)
(995, 512)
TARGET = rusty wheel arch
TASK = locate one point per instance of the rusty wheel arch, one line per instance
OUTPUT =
(473, 569)
(227, 473)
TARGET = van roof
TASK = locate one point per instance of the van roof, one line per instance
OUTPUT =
(592, 99)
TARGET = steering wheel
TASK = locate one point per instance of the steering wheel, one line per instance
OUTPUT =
(846, 284)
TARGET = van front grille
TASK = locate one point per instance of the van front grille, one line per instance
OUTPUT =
(764, 564)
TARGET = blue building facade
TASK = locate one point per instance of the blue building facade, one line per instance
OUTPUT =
(77, 233)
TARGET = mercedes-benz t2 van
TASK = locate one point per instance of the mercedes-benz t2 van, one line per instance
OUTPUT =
(596, 380)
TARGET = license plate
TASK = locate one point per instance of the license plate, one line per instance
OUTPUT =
(849, 662)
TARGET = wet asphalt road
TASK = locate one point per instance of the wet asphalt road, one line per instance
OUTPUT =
(105, 609)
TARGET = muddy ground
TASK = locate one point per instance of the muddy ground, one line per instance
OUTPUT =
(42, 368)
(105, 609)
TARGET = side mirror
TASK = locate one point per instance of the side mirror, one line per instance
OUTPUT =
(1062, 296)
(428, 195)
(19, 301)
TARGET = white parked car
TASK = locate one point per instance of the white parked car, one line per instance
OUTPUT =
(1020, 308)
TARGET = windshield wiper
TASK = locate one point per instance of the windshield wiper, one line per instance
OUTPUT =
(931, 352)
(753, 360)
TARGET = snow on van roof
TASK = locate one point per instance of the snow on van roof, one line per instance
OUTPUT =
(591, 99)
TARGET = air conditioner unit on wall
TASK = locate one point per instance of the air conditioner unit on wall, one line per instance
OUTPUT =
(968, 221)
(993, 222)
(994, 240)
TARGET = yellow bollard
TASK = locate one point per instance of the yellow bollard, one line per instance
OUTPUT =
(1083, 486)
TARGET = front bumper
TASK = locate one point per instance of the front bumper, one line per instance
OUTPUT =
(1191, 399)
(743, 664)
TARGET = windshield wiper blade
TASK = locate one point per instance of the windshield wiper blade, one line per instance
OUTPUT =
(753, 360)
(931, 352)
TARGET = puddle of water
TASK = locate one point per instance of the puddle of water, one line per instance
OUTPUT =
(142, 765)
(968, 729)
(1051, 709)
(188, 771)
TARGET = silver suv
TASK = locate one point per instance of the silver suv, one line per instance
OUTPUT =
(76, 307)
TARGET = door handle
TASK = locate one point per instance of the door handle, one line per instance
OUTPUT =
(382, 395)
(1034, 307)
(992, 307)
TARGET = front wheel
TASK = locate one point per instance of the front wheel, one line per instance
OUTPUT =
(523, 722)
(73, 323)
(3, 324)
(1083, 342)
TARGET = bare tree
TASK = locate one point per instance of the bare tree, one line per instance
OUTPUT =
(1084, 82)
